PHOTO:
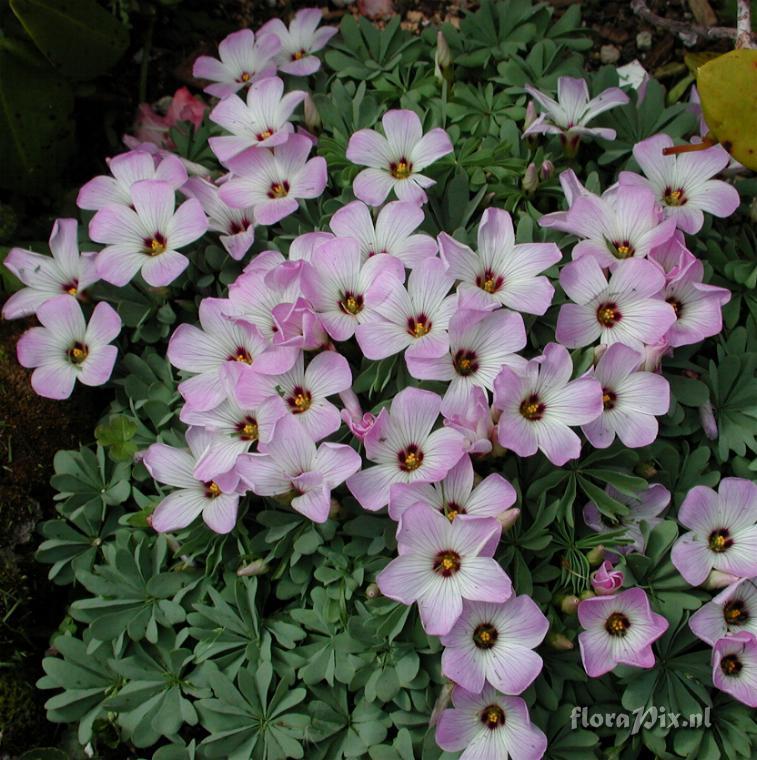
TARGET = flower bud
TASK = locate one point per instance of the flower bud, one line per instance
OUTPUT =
(718, 579)
(546, 170)
(311, 116)
(709, 423)
(256, 567)
(559, 642)
(531, 115)
(507, 518)
(530, 180)
(372, 591)
(596, 555)
(584, 595)
(569, 604)
(645, 470)
(606, 581)
(334, 509)
(443, 60)
(442, 702)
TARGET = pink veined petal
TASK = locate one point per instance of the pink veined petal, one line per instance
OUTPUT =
(188, 224)
(558, 442)
(98, 193)
(513, 669)
(314, 504)
(104, 325)
(403, 131)
(431, 147)
(738, 502)
(373, 185)
(483, 580)
(163, 269)
(170, 465)
(220, 514)
(55, 381)
(154, 201)
(718, 198)
(63, 316)
(577, 325)
(336, 462)
(610, 98)
(371, 485)
(116, 225)
(692, 559)
(379, 338)
(178, 510)
(117, 264)
(98, 366)
(23, 303)
(368, 148)
(272, 211)
(582, 280)
(440, 607)
(455, 731)
(302, 67)
(516, 433)
(461, 666)
(410, 190)
(64, 244)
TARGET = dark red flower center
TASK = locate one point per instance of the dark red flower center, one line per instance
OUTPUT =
(675, 196)
(489, 281)
(410, 458)
(401, 169)
(351, 303)
(731, 665)
(735, 612)
(532, 408)
(720, 540)
(485, 635)
(609, 398)
(77, 353)
(617, 624)
(419, 325)
(247, 429)
(465, 362)
(299, 400)
(493, 717)
(447, 563)
(608, 314)
(156, 244)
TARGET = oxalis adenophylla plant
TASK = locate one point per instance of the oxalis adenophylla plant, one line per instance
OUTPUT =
(432, 396)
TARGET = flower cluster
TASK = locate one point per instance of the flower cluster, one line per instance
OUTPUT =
(267, 375)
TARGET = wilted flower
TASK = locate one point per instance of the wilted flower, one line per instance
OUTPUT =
(494, 643)
(290, 463)
(644, 507)
(46, 277)
(475, 423)
(154, 128)
(66, 349)
(392, 234)
(395, 160)
(723, 533)
(573, 110)
(262, 122)
(244, 60)
(442, 563)
(501, 272)
(631, 399)
(605, 580)
(539, 402)
(623, 310)
(217, 500)
(618, 630)
(146, 237)
(404, 448)
(684, 184)
(300, 41)
(489, 726)
(734, 667)
(732, 611)
(272, 181)
(455, 495)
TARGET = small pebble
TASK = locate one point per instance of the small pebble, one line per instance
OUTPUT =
(609, 54)
(644, 40)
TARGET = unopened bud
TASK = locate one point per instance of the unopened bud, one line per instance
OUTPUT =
(507, 518)
(569, 604)
(256, 567)
(718, 579)
(312, 117)
(586, 595)
(546, 170)
(709, 423)
(372, 591)
(530, 180)
(559, 642)
(443, 57)
(498, 450)
(531, 115)
(596, 555)
(334, 509)
(645, 470)
(442, 702)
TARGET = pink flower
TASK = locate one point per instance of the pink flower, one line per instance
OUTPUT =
(539, 403)
(344, 289)
(291, 463)
(244, 60)
(404, 448)
(66, 349)
(415, 319)
(128, 168)
(489, 726)
(272, 181)
(455, 495)
(395, 160)
(723, 531)
(573, 110)
(606, 581)
(732, 611)
(392, 233)
(626, 309)
(631, 399)
(618, 630)
(217, 500)
(300, 41)
(146, 238)
(644, 507)
(261, 122)
(305, 391)
(442, 563)
(152, 127)
(494, 643)
(734, 667)
(698, 306)
(501, 273)
(219, 341)
(475, 423)
(684, 184)
(480, 344)
(46, 277)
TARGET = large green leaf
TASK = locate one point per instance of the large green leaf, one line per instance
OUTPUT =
(79, 38)
(36, 129)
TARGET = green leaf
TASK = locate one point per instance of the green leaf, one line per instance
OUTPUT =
(79, 38)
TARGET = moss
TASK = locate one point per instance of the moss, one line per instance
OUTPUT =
(22, 716)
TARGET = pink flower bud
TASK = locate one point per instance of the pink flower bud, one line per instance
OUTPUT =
(530, 179)
(361, 426)
(546, 170)
(718, 579)
(605, 580)
(559, 642)
(256, 567)
(531, 115)
(507, 518)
